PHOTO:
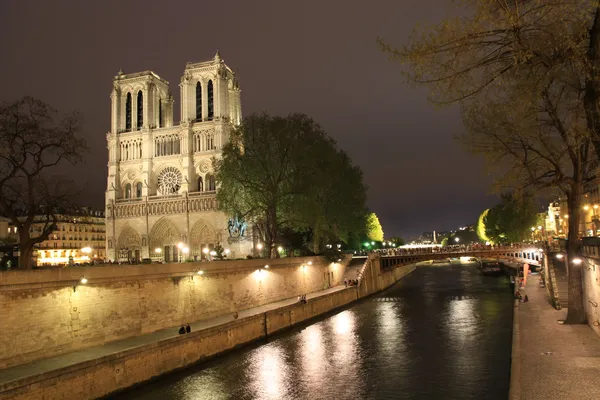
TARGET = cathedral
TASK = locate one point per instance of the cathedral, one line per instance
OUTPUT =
(161, 191)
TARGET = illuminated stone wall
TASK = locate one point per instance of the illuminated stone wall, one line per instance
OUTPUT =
(49, 316)
(591, 293)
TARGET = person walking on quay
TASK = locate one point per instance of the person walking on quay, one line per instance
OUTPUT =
(188, 329)
(346, 282)
(182, 330)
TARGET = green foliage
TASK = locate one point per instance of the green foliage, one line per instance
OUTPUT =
(444, 241)
(511, 220)
(374, 229)
(397, 241)
(286, 173)
(481, 231)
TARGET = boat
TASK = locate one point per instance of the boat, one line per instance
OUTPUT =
(491, 268)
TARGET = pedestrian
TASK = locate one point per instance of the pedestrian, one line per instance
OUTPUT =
(188, 329)
(182, 330)
(525, 299)
(235, 315)
(346, 282)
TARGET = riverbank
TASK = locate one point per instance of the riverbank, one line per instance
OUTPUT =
(97, 371)
(550, 360)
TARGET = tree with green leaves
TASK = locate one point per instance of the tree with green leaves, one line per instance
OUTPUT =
(281, 173)
(511, 220)
(525, 74)
(374, 230)
(35, 141)
(481, 228)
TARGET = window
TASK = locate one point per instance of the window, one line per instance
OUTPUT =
(128, 191)
(200, 184)
(128, 113)
(198, 102)
(210, 182)
(138, 189)
(160, 115)
(211, 109)
(140, 110)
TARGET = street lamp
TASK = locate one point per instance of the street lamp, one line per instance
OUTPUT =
(457, 239)
(205, 251)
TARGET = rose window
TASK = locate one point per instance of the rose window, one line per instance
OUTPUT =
(169, 180)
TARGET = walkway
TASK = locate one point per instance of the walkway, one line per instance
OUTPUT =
(555, 361)
(70, 359)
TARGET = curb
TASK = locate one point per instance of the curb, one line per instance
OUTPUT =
(514, 391)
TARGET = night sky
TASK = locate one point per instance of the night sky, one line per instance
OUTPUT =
(313, 56)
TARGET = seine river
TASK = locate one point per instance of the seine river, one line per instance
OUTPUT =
(443, 332)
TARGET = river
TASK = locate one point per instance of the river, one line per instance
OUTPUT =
(442, 332)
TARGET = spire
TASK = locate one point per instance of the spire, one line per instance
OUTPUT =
(217, 56)
(120, 72)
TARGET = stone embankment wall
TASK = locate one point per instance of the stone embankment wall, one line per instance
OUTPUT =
(49, 312)
(591, 292)
(117, 371)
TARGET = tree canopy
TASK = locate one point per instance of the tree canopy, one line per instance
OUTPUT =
(525, 74)
(511, 220)
(374, 229)
(34, 142)
(282, 173)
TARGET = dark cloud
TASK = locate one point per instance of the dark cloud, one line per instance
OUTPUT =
(315, 57)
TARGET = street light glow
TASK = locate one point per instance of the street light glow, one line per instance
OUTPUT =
(577, 261)
(83, 280)
(259, 246)
(205, 250)
(559, 256)
(180, 245)
(158, 250)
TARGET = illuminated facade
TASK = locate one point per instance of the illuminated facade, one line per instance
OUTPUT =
(78, 239)
(161, 192)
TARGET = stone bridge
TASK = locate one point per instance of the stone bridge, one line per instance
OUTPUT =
(528, 255)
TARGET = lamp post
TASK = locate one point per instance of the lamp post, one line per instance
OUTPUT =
(205, 251)
(158, 251)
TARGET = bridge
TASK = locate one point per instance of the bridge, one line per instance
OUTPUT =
(522, 255)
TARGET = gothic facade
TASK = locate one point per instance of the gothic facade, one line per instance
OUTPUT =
(161, 191)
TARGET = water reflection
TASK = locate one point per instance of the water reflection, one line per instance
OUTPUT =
(268, 372)
(445, 335)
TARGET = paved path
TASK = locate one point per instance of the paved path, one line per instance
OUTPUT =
(555, 361)
(70, 359)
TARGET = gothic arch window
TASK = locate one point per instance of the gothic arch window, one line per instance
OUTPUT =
(138, 189)
(140, 110)
(198, 101)
(128, 112)
(200, 184)
(160, 114)
(128, 191)
(211, 105)
(210, 183)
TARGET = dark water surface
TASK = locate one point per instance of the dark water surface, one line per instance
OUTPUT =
(443, 332)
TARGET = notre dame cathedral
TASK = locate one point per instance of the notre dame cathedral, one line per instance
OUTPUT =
(161, 191)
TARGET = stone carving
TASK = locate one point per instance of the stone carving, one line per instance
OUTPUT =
(129, 239)
(170, 180)
(164, 233)
(131, 175)
(236, 227)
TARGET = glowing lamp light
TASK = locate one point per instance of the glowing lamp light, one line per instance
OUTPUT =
(566, 216)
(86, 250)
(577, 261)
(266, 267)
(259, 246)
(310, 263)
(372, 243)
(559, 256)
(185, 250)
(83, 280)
(586, 207)
(596, 206)
(180, 246)
(532, 228)
(213, 253)
(339, 246)
(205, 250)
(456, 239)
(227, 251)
(199, 272)
(158, 250)
(280, 249)
(540, 227)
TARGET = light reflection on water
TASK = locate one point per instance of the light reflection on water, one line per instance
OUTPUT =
(444, 334)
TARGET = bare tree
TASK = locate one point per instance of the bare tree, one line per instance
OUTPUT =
(525, 73)
(34, 142)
